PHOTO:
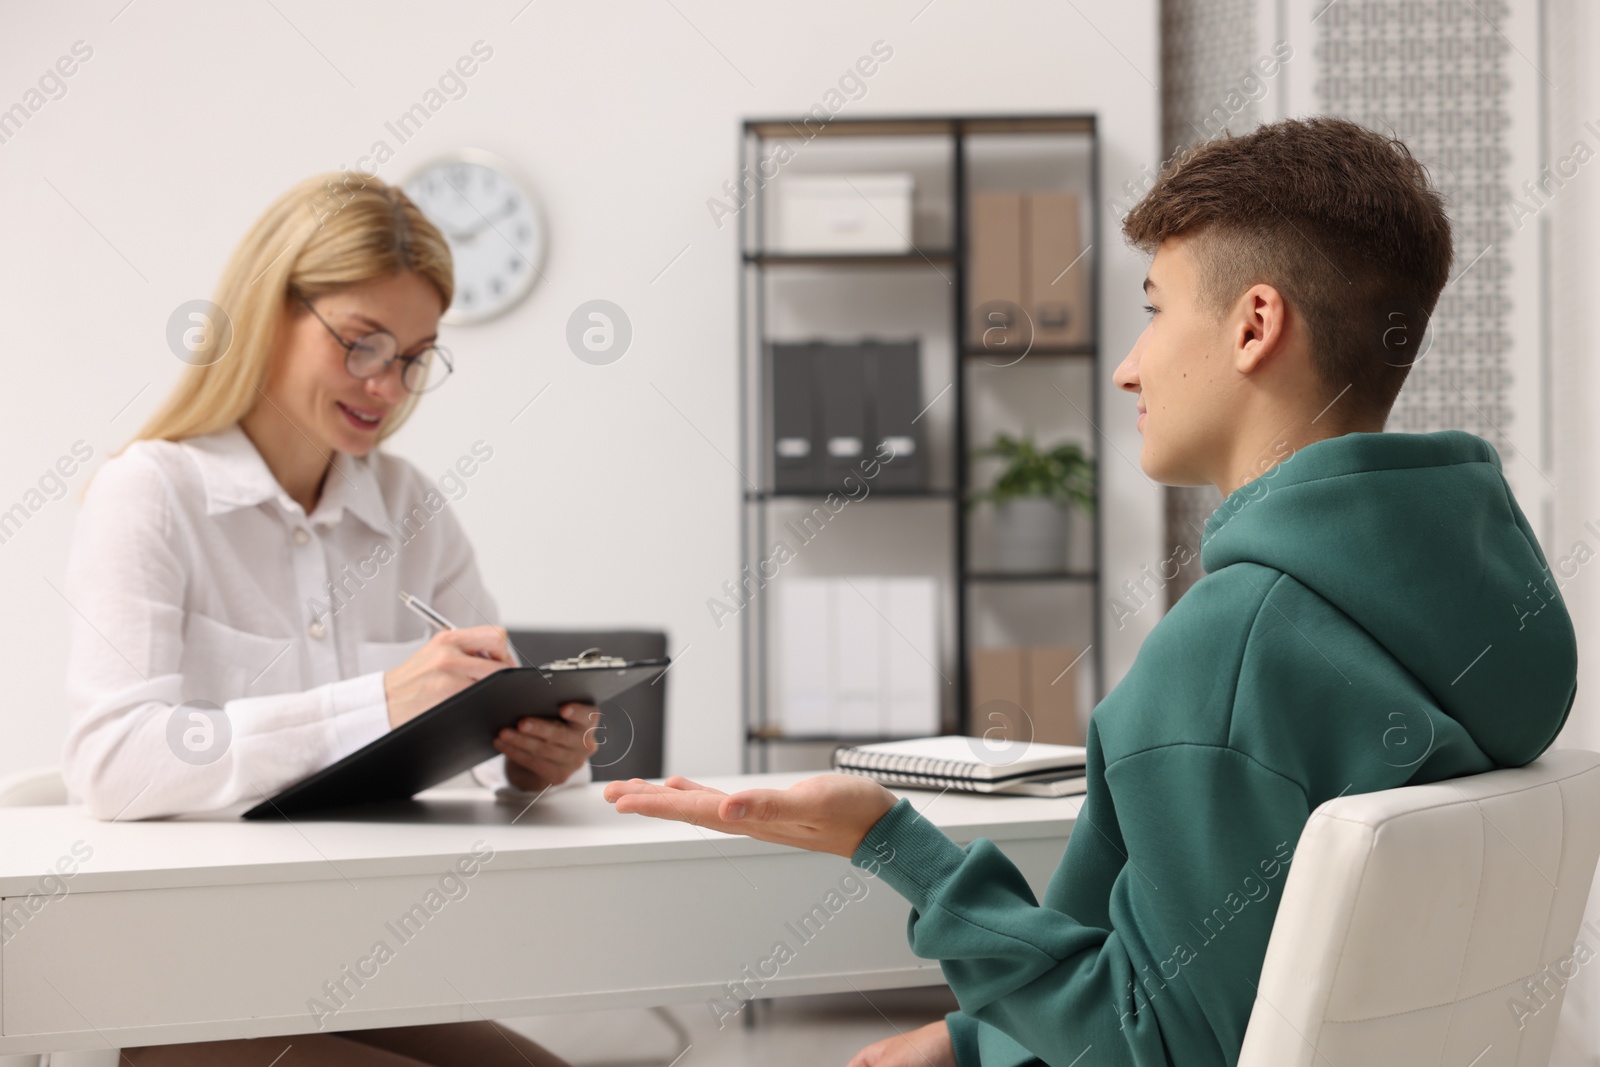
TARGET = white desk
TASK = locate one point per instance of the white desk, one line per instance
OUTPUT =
(200, 929)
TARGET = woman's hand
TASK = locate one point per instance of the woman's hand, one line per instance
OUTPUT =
(926, 1047)
(828, 813)
(443, 667)
(544, 752)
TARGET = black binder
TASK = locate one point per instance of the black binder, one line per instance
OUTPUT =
(458, 733)
(837, 407)
(845, 438)
(796, 421)
(894, 388)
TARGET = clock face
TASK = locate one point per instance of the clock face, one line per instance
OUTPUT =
(495, 229)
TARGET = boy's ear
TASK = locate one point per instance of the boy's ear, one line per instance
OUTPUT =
(1258, 327)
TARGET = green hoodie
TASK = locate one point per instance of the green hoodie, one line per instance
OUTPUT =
(1376, 612)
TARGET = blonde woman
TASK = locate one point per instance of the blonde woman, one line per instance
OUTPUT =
(221, 649)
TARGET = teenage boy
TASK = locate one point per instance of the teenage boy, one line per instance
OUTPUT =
(1365, 622)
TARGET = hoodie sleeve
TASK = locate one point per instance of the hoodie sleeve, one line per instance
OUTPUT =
(1193, 890)
(964, 1038)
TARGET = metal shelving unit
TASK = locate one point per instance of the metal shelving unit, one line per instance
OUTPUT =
(950, 259)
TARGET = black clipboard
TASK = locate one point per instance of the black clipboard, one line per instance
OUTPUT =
(458, 733)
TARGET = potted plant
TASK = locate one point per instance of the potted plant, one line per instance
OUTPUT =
(1032, 496)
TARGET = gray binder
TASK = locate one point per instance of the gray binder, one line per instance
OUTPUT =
(837, 407)
(797, 464)
(894, 387)
(845, 440)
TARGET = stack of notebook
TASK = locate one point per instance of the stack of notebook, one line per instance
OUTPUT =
(969, 764)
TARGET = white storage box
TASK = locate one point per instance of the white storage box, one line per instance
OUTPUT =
(842, 213)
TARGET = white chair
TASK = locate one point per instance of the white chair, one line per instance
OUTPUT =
(1433, 924)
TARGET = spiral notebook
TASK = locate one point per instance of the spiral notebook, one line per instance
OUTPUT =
(970, 764)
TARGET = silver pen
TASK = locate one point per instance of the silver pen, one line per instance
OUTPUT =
(431, 617)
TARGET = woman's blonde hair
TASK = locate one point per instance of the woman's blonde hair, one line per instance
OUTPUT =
(327, 233)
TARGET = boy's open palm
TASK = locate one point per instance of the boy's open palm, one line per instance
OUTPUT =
(828, 813)
(927, 1047)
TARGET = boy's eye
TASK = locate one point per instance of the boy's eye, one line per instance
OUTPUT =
(1148, 310)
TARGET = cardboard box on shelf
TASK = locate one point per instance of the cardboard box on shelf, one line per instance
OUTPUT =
(1027, 285)
(994, 276)
(1057, 282)
(997, 696)
(1052, 692)
(1021, 689)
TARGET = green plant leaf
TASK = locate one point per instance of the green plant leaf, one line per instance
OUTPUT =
(1064, 473)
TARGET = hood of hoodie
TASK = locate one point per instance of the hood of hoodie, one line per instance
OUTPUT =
(1417, 538)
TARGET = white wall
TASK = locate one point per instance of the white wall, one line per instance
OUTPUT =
(125, 195)
(1572, 224)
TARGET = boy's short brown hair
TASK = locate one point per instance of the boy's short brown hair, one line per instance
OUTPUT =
(1339, 219)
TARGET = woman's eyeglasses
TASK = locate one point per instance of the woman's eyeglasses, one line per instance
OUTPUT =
(371, 355)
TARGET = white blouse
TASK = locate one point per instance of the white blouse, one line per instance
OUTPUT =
(197, 582)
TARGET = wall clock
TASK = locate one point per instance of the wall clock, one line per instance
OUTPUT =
(495, 226)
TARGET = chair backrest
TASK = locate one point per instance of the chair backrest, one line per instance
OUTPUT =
(1434, 924)
(633, 727)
